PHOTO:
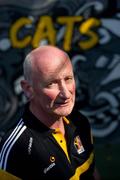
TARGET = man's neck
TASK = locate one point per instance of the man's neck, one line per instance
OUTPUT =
(52, 122)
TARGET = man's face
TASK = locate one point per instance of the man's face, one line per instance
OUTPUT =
(54, 88)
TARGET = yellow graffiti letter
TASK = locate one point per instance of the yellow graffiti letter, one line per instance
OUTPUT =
(85, 29)
(16, 42)
(45, 30)
(69, 21)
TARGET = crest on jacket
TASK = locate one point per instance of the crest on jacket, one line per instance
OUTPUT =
(78, 145)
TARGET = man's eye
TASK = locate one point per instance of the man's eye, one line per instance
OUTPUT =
(69, 79)
(52, 84)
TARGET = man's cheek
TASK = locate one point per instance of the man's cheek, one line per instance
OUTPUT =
(73, 88)
(51, 95)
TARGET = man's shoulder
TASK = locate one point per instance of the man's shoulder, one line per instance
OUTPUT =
(13, 133)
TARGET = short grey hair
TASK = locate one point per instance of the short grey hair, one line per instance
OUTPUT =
(27, 68)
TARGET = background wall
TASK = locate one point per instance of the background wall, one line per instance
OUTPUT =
(89, 31)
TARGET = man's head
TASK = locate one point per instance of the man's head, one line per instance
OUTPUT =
(49, 81)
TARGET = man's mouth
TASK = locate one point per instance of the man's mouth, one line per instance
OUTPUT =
(65, 103)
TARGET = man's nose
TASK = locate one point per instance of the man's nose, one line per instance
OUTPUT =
(64, 91)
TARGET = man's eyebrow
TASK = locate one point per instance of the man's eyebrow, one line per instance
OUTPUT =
(51, 79)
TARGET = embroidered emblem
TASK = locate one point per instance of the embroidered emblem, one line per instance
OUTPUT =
(49, 167)
(78, 145)
(52, 160)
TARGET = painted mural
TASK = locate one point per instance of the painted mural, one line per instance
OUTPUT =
(89, 31)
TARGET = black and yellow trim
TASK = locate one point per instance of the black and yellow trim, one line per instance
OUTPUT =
(84, 167)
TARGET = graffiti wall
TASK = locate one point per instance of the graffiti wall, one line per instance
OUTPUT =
(89, 31)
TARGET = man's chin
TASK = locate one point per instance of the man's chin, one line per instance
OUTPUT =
(64, 112)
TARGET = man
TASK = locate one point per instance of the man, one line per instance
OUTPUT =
(45, 144)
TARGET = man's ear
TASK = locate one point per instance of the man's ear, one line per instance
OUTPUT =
(27, 88)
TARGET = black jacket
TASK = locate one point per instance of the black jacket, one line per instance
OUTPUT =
(30, 151)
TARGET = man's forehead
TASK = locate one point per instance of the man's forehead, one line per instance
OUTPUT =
(51, 62)
(56, 70)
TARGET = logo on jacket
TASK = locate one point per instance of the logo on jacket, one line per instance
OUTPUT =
(30, 145)
(51, 165)
(78, 145)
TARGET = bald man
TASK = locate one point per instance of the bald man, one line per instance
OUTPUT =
(45, 144)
